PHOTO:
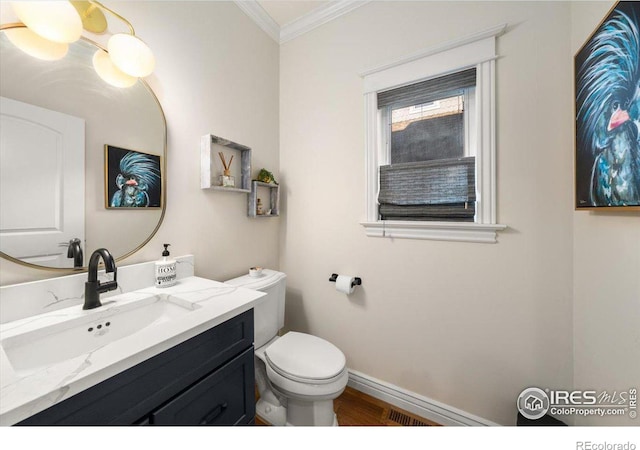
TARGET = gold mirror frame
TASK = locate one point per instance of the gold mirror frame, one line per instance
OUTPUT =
(163, 169)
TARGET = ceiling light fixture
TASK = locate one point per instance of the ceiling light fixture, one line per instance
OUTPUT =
(127, 51)
(35, 45)
(105, 68)
(131, 55)
(53, 20)
(51, 25)
(91, 14)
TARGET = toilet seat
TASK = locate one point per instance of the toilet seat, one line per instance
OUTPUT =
(327, 390)
(305, 358)
(305, 366)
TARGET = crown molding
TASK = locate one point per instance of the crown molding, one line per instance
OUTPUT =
(298, 27)
(317, 17)
(257, 13)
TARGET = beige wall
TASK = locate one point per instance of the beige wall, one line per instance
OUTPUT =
(216, 73)
(606, 279)
(470, 325)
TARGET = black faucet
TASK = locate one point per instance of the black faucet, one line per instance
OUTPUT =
(93, 288)
(75, 251)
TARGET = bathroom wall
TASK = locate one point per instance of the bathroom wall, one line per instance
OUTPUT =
(217, 72)
(606, 309)
(469, 325)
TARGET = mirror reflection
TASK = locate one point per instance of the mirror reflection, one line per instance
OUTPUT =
(58, 118)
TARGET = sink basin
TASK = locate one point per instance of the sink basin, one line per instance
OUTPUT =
(83, 332)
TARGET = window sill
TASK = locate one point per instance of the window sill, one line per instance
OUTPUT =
(437, 231)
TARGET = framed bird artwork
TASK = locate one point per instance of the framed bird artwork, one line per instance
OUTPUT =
(607, 92)
(132, 179)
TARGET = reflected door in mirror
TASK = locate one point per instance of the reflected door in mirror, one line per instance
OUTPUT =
(41, 183)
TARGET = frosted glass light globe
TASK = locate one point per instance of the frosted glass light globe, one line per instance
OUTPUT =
(131, 55)
(109, 72)
(35, 45)
(57, 21)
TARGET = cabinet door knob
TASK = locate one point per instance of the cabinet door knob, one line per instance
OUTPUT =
(213, 415)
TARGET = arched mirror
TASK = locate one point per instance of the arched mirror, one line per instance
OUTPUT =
(62, 127)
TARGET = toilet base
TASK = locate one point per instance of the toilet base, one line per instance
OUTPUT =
(305, 413)
(277, 416)
(270, 413)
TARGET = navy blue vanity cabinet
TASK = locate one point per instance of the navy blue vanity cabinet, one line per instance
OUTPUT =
(218, 399)
(206, 380)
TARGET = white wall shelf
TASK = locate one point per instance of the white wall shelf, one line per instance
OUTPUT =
(228, 189)
(274, 199)
(210, 172)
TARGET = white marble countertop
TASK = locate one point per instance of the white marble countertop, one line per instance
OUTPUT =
(24, 393)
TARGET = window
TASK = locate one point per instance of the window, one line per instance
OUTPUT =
(430, 144)
(427, 136)
(429, 131)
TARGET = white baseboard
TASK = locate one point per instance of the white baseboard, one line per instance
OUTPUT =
(417, 404)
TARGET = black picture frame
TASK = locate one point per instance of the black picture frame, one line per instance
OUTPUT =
(133, 179)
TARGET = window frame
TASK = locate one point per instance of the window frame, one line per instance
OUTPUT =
(479, 51)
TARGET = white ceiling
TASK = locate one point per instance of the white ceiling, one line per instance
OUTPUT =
(284, 12)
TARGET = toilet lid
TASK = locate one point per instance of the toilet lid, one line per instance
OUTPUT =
(305, 356)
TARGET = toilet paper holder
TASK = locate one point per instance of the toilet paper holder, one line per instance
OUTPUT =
(357, 281)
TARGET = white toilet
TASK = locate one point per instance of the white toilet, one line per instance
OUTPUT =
(298, 375)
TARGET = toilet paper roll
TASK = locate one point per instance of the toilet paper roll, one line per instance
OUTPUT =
(344, 284)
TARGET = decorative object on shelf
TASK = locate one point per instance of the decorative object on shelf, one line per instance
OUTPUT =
(226, 180)
(266, 177)
(47, 28)
(132, 179)
(255, 206)
(607, 73)
(209, 178)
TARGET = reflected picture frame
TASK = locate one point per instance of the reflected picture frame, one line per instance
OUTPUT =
(133, 179)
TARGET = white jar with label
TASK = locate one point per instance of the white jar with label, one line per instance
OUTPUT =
(166, 270)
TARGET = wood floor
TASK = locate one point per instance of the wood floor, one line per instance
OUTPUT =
(355, 408)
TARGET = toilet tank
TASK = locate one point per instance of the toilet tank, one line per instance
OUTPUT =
(268, 316)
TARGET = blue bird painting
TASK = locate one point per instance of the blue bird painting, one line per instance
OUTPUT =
(608, 112)
(137, 179)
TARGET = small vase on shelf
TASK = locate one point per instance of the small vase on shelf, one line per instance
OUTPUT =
(226, 180)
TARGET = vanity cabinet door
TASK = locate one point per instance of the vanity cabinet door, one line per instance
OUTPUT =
(225, 397)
